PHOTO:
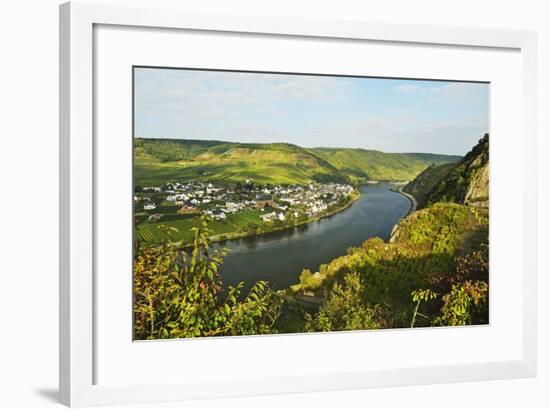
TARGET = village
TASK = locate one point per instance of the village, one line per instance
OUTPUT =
(271, 203)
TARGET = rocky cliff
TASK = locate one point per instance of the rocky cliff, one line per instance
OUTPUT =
(466, 182)
(478, 189)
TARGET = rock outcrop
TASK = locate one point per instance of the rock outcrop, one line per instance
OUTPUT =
(478, 190)
(466, 182)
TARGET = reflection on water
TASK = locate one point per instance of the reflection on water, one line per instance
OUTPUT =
(279, 257)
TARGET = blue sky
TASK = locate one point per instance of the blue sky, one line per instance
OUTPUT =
(311, 111)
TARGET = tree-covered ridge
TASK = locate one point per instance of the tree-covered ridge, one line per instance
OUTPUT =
(158, 161)
(466, 182)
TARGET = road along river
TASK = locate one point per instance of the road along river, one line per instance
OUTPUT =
(279, 257)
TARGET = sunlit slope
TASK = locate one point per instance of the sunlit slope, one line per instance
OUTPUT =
(159, 161)
(276, 163)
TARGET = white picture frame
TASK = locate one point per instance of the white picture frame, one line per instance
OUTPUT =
(77, 241)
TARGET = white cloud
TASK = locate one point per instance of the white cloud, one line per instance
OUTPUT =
(450, 92)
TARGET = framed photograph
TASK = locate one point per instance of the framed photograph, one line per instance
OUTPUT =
(256, 204)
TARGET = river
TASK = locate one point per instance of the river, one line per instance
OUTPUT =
(279, 257)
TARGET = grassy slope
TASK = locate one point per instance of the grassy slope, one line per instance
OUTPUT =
(447, 229)
(159, 161)
(194, 160)
(151, 233)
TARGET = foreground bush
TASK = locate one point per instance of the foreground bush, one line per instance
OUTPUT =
(179, 294)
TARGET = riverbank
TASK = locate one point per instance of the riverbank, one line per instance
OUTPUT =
(412, 209)
(412, 199)
(240, 235)
(280, 257)
(228, 236)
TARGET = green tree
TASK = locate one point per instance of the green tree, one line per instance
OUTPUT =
(309, 281)
(466, 304)
(418, 296)
(345, 309)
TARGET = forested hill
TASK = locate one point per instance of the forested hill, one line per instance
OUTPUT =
(466, 182)
(163, 160)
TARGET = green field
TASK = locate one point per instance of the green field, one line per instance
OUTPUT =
(150, 231)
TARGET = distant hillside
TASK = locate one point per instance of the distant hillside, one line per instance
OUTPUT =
(159, 161)
(465, 182)
(362, 165)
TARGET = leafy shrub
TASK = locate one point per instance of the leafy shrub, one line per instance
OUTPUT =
(344, 309)
(179, 294)
(466, 304)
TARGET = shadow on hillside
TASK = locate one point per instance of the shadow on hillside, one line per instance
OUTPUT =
(396, 273)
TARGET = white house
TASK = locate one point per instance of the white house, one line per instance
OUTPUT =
(218, 215)
(154, 217)
(233, 207)
(268, 217)
(152, 189)
(149, 206)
